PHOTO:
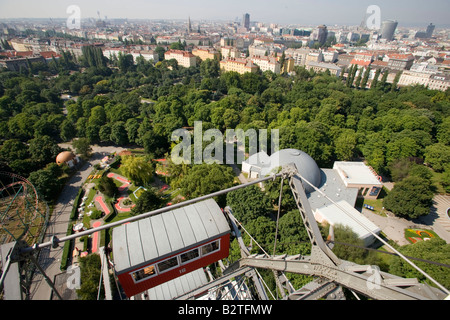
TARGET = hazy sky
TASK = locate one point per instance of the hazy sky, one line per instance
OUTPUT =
(310, 12)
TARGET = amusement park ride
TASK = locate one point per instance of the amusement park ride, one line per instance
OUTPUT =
(139, 269)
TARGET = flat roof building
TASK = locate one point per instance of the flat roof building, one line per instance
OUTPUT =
(359, 175)
(346, 215)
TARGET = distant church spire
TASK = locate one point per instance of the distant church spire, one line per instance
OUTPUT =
(189, 25)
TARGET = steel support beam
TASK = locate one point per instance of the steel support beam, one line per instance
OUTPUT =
(362, 282)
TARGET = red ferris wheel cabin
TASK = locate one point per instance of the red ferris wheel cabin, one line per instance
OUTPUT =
(154, 250)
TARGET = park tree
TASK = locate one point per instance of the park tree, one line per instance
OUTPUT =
(349, 246)
(43, 150)
(83, 147)
(262, 229)
(105, 133)
(107, 186)
(150, 199)
(131, 127)
(292, 229)
(13, 149)
(359, 77)
(118, 133)
(21, 125)
(154, 144)
(443, 131)
(46, 182)
(92, 57)
(125, 62)
(67, 130)
(345, 145)
(437, 156)
(365, 78)
(204, 179)
(248, 203)
(436, 250)
(445, 178)
(410, 198)
(90, 267)
(272, 189)
(401, 148)
(210, 68)
(399, 169)
(138, 169)
(396, 80)
(383, 85)
(375, 79)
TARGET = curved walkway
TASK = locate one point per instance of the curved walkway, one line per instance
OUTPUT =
(121, 207)
(120, 178)
(101, 202)
(95, 236)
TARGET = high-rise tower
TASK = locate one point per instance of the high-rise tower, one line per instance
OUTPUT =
(246, 21)
(388, 28)
(189, 28)
(430, 30)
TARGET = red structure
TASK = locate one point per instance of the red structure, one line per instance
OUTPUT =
(163, 247)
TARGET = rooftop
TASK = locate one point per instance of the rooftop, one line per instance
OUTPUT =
(305, 165)
(178, 286)
(335, 189)
(356, 173)
(344, 214)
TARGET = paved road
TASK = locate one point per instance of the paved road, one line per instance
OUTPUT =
(438, 218)
(50, 259)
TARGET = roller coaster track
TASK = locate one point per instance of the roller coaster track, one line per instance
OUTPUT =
(24, 182)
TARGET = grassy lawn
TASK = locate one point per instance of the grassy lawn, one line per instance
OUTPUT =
(377, 204)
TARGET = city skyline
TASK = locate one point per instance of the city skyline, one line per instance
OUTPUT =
(412, 13)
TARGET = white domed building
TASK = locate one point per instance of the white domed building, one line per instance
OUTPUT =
(340, 186)
(260, 165)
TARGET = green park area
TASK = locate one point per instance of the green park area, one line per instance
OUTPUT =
(113, 191)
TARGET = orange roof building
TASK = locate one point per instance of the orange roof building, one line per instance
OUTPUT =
(67, 157)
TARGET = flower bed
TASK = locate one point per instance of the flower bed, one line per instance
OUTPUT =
(415, 235)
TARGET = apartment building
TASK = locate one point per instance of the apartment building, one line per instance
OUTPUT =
(184, 58)
(267, 63)
(238, 65)
(322, 67)
(206, 53)
(229, 52)
(399, 61)
(303, 56)
(432, 81)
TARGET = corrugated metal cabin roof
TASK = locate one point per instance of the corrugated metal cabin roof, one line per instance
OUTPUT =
(139, 243)
(178, 286)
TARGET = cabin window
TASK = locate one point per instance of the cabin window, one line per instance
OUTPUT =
(210, 247)
(190, 255)
(144, 273)
(167, 264)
